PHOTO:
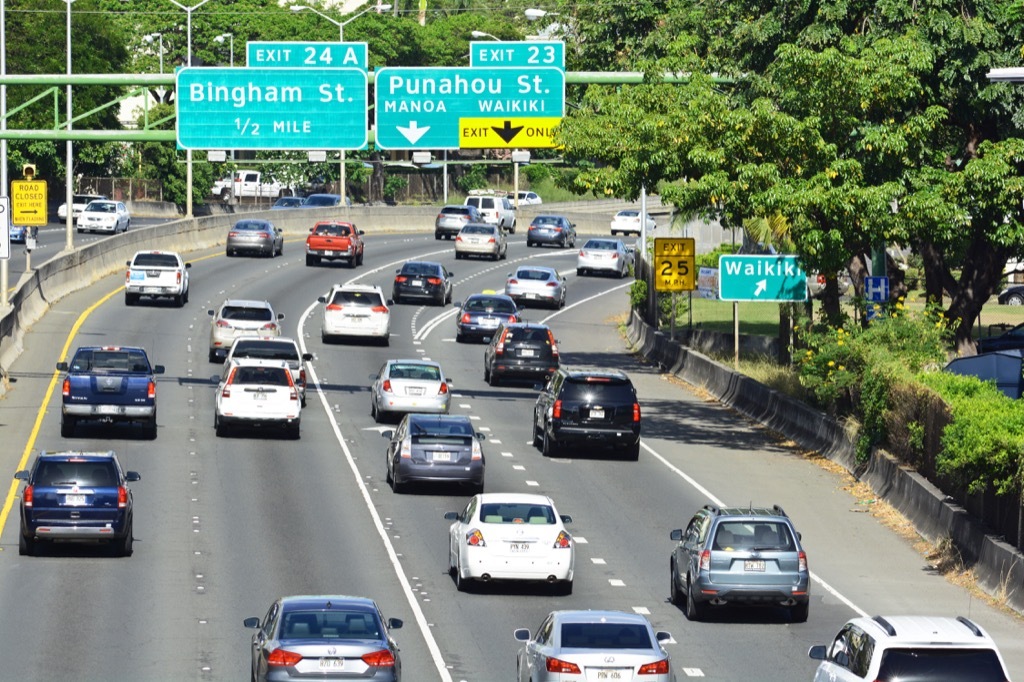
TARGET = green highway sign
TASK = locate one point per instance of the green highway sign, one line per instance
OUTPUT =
(422, 107)
(299, 55)
(271, 108)
(518, 53)
(761, 278)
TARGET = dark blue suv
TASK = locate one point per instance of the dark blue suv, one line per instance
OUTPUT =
(76, 496)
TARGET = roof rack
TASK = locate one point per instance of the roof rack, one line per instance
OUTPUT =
(885, 625)
(971, 626)
(779, 510)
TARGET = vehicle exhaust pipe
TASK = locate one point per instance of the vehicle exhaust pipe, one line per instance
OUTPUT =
(486, 577)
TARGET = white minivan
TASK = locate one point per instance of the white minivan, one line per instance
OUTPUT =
(495, 209)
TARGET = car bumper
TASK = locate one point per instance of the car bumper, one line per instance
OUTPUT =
(532, 297)
(154, 291)
(404, 403)
(601, 265)
(475, 330)
(57, 532)
(261, 247)
(546, 237)
(583, 435)
(523, 369)
(259, 421)
(98, 227)
(447, 230)
(124, 412)
(751, 595)
(432, 293)
(471, 474)
(479, 563)
(372, 329)
(473, 250)
(328, 254)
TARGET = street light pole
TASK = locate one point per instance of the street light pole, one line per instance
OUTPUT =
(69, 242)
(4, 264)
(231, 48)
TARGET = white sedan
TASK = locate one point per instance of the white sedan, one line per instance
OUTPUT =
(257, 393)
(510, 536)
(356, 310)
(628, 222)
(104, 216)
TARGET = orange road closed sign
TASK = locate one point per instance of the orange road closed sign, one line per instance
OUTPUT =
(28, 202)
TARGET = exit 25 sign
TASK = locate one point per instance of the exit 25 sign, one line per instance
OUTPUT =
(674, 264)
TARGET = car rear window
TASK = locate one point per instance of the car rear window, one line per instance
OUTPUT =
(163, 260)
(599, 245)
(427, 269)
(611, 391)
(333, 624)
(369, 298)
(605, 636)
(537, 275)
(940, 665)
(101, 207)
(109, 360)
(264, 376)
(547, 220)
(539, 334)
(477, 229)
(251, 225)
(246, 314)
(525, 512)
(498, 305)
(745, 535)
(57, 473)
(265, 350)
(456, 210)
(415, 372)
(333, 230)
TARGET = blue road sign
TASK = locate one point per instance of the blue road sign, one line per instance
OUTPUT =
(261, 108)
(517, 53)
(761, 278)
(421, 108)
(876, 291)
(299, 55)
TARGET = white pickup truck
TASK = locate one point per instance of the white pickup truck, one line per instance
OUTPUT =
(248, 184)
(156, 273)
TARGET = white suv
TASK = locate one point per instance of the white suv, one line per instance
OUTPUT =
(494, 208)
(892, 648)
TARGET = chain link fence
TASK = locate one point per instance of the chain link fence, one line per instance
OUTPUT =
(123, 189)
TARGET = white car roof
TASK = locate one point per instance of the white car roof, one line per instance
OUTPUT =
(259, 362)
(598, 615)
(940, 631)
(357, 287)
(514, 498)
(246, 303)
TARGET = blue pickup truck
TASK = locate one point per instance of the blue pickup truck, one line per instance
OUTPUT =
(108, 384)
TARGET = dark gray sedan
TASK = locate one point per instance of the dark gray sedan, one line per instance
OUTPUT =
(255, 236)
(551, 229)
(435, 447)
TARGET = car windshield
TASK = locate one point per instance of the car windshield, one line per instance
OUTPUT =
(426, 269)
(265, 376)
(333, 624)
(598, 244)
(163, 260)
(605, 636)
(321, 200)
(101, 207)
(496, 305)
(246, 313)
(109, 361)
(940, 665)
(517, 512)
(93, 474)
(415, 372)
(367, 298)
(333, 230)
(539, 275)
(753, 534)
(265, 350)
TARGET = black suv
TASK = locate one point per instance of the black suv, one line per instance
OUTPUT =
(739, 555)
(520, 350)
(76, 496)
(587, 407)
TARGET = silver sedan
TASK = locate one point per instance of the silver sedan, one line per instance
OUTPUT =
(479, 239)
(536, 285)
(604, 256)
(402, 386)
(596, 645)
(255, 236)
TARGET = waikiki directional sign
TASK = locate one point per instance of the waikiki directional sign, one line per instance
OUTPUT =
(424, 108)
(761, 278)
(271, 108)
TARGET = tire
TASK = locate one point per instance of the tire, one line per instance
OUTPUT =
(459, 338)
(536, 436)
(220, 429)
(529, 244)
(579, 272)
(212, 356)
(310, 260)
(461, 584)
(1015, 299)
(130, 299)
(377, 418)
(547, 444)
(184, 297)
(360, 260)
(799, 613)
(493, 379)
(674, 594)
(563, 244)
(127, 543)
(695, 611)
(563, 588)
(397, 298)
(179, 300)
(26, 545)
(633, 454)
(294, 431)
(396, 487)
(150, 429)
(67, 426)
(437, 236)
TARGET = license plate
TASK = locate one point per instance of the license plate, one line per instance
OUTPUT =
(531, 296)
(754, 565)
(260, 396)
(489, 322)
(526, 353)
(442, 456)
(75, 500)
(151, 290)
(332, 663)
(596, 413)
(108, 409)
(328, 252)
(608, 675)
(414, 390)
(518, 547)
(416, 282)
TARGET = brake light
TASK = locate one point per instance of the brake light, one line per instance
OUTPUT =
(581, 252)
(406, 451)
(379, 309)
(151, 390)
(636, 412)
(563, 541)
(280, 658)
(556, 409)
(705, 560)
(381, 659)
(656, 668)
(491, 240)
(500, 347)
(435, 281)
(444, 388)
(475, 538)
(554, 345)
(466, 319)
(223, 323)
(302, 377)
(555, 665)
(513, 281)
(127, 276)
(269, 325)
(264, 235)
(65, 388)
(177, 277)
(122, 497)
(552, 284)
(401, 279)
(801, 562)
(225, 392)
(615, 255)
(512, 318)
(477, 454)
(333, 306)
(386, 385)
(26, 496)
(232, 234)
(458, 238)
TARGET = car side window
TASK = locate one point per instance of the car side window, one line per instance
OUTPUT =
(703, 524)
(470, 509)
(270, 621)
(839, 652)
(543, 635)
(862, 648)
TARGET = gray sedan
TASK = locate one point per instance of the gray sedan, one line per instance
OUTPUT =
(480, 239)
(435, 447)
(537, 285)
(255, 236)
(402, 386)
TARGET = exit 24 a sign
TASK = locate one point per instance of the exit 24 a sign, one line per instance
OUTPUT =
(674, 263)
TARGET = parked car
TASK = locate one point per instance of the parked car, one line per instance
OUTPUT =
(536, 284)
(453, 218)
(1012, 295)
(749, 556)
(592, 407)
(324, 637)
(78, 204)
(520, 351)
(287, 202)
(255, 394)
(495, 208)
(240, 317)
(594, 644)
(324, 201)
(481, 315)
(402, 386)
(551, 229)
(255, 236)
(1008, 340)
(279, 348)
(156, 274)
(628, 222)
(511, 537)
(422, 280)
(439, 448)
(104, 216)
(480, 239)
(526, 197)
(76, 496)
(335, 240)
(357, 310)
(603, 256)
(894, 648)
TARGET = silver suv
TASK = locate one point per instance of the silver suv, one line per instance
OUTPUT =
(891, 648)
(749, 555)
(495, 209)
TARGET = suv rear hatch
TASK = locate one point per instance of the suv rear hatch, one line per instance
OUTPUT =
(68, 493)
(754, 552)
(597, 401)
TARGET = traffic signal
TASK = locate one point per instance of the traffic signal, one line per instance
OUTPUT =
(28, 171)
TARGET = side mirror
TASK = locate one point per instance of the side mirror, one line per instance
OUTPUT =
(521, 634)
(132, 476)
(387, 434)
(388, 301)
(307, 357)
(280, 316)
(62, 366)
(188, 265)
(321, 299)
(211, 313)
(676, 535)
(395, 623)
(565, 518)
(480, 436)
(158, 369)
(817, 652)
(252, 623)
(451, 516)
(128, 263)
(311, 230)
(22, 475)
(361, 233)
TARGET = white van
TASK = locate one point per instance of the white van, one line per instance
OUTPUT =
(495, 208)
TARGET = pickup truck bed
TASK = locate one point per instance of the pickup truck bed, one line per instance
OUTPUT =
(156, 274)
(334, 241)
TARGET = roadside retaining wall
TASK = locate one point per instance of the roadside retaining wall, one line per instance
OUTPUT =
(998, 566)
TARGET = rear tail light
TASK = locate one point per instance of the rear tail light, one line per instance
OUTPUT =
(280, 658)
(223, 323)
(127, 276)
(270, 326)
(333, 306)
(177, 277)
(475, 538)
(27, 495)
(225, 392)
(65, 388)
(294, 394)
(477, 453)
(122, 497)
(801, 562)
(380, 659)
(513, 281)
(705, 560)
(302, 377)
(563, 541)
(556, 409)
(555, 665)
(458, 238)
(552, 284)
(491, 240)
(379, 309)
(444, 388)
(151, 390)
(615, 255)
(466, 319)
(232, 234)
(581, 252)
(401, 279)
(264, 235)
(406, 451)
(500, 347)
(512, 318)
(386, 385)
(434, 281)
(636, 412)
(656, 668)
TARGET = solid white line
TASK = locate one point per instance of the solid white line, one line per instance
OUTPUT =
(585, 300)
(717, 502)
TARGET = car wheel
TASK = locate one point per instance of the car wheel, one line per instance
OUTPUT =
(130, 299)
(547, 444)
(179, 300)
(461, 584)
(562, 244)
(675, 595)
(529, 244)
(67, 427)
(360, 258)
(459, 338)
(396, 297)
(798, 613)
(150, 428)
(375, 413)
(493, 379)
(695, 611)
(212, 356)
(293, 431)
(633, 454)
(536, 435)
(397, 487)
(126, 547)
(351, 263)
(309, 260)
(1015, 299)
(389, 480)
(184, 297)
(579, 272)
(563, 588)
(437, 236)
(26, 545)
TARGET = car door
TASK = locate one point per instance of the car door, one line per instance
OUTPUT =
(537, 651)
(840, 657)
(457, 532)
(260, 639)
(395, 444)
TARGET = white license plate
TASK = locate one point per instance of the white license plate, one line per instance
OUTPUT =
(76, 500)
(608, 675)
(754, 565)
(596, 413)
(526, 353)
(414, 390)
(442, 456)
(518, 547)
(151, 290)
(108, 409)
(416, 282)
(260, 396)
(332, 663)
(489, 322)
(531, 296)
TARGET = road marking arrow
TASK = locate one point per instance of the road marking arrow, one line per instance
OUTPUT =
(413, 133)
(761, 286)
(507, 132)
